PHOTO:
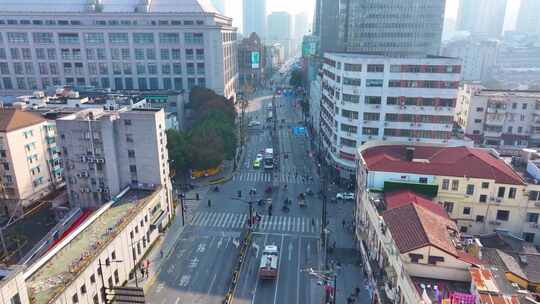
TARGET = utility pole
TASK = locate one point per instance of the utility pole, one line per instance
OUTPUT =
(182, 197)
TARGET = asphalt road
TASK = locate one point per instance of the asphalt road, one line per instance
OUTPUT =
(199, 268)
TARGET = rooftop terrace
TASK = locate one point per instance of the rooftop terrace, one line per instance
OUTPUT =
(65, 265)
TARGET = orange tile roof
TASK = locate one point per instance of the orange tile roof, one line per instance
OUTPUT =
(414, 226)
(13, 119)
(442, 161)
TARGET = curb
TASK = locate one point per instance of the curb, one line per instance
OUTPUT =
(221, 180)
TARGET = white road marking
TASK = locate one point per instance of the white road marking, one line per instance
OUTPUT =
(279, 270)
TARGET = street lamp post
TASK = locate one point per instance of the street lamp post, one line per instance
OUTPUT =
(326, 276)
(182, 197)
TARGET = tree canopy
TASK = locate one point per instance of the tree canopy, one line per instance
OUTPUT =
(212, 137)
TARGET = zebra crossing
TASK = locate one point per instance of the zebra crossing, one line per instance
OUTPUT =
(266, 177)
(275, 223)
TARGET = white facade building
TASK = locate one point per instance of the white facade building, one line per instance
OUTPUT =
(123, 45)
(106, 151)
(369, 97)
(31, 164)
(104, 251)
(499, 117)
(479, 56)
(254, 16)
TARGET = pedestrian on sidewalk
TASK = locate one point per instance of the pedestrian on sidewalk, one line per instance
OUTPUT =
(344, 222)
(209, 203)
(161, 253)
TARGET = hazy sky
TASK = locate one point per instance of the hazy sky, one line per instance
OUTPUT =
(297, 6)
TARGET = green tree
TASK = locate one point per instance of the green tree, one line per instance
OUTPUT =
(206, 149)
(177, 143)
(297, 79)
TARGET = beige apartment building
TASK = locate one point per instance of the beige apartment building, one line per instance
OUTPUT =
(499, 117)
(481, 191)
(31, 164)
(409, 241)
(106, 151)
(104, 251)
(12, 285)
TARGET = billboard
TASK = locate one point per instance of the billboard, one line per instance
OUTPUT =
(255, 60)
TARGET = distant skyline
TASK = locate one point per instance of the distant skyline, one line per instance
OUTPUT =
(308, 6)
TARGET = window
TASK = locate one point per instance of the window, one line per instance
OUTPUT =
(501, 191)
(483, 198)
(466, 210)
(445, 184)
(534, 195)
(175, 54)
(532, 217)
(131, 153)
(374, 83)
(415, 258)
(93, 278)
(503, 215)
(373, 100)
(485, 185)
(95, 299)
(127, 122)
(43, 38)
(93, 38)
(512, 192)
(462, 229)
(524, 106)
(369, 116)
(455, 185)
(17, 37)
(150, 54)
(423, 180)
(143, 38)
(83, 289)
(350, 98)
(370, 131)
(478, 121)
(528, 237)
(353, 67)
(116, 277)
(352, 81)
(470, 189)
(113, 255)
(164, 54)
(68, 38)
(75, 299)
(118, 38)
(479, 109)
(479, 219)
(193, 38)
(189, 54)
(133, 169)
(448, 206)
(376, 68)
(169, 38)
(16, 299)
(139, 54)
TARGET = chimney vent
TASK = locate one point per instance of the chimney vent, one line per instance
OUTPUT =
(409, 154)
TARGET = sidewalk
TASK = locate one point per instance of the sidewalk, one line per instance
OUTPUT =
(159, 252)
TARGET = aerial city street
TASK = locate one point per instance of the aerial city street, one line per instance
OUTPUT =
(270, 152)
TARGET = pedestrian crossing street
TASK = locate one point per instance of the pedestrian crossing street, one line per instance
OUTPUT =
(275, 223)
(262, 176)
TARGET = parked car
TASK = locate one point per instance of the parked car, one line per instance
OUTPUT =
(345, 196)
(257, 164)
(254, 123)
